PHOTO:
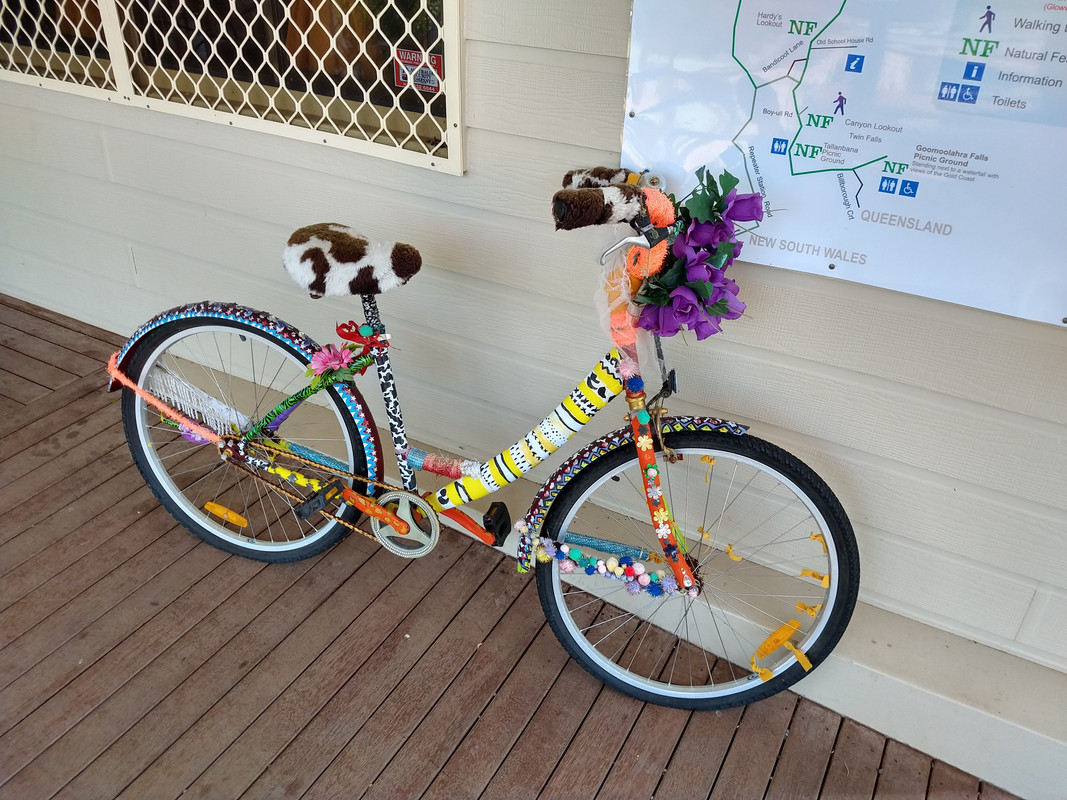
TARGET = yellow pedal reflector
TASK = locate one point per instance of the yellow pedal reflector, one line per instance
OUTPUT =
(824, 580)
(226, 514)
(730, 552)
(764, 674)
(776, 639)
(811, 611)
(801, 658)
(818, 537)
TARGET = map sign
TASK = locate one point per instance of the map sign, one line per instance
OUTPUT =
(915, 146)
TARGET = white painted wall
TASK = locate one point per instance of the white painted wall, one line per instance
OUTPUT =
(943, 429)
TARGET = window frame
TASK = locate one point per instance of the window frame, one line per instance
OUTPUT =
(119, 87)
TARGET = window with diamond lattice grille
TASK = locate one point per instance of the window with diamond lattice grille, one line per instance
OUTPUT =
(378, 76)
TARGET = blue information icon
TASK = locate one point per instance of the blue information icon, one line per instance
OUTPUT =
(973, 71)
(909, 188)
(968, 93)
(854, 63)
(949, 91)
(780, 146)
(888, 185)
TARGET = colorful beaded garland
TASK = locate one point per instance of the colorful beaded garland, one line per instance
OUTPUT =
(637, 577)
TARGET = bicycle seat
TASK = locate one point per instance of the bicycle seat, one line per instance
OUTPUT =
(332, 260)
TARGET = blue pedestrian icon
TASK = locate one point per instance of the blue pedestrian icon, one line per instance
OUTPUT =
(780, 146)
(909, 188)
(888, 185)
(973, 71)
(968, 93)
(949, 91)
(854, 63)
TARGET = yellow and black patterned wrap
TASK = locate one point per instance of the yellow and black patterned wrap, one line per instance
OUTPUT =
(591, 395)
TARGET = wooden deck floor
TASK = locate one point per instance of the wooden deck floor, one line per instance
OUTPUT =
(139, 663)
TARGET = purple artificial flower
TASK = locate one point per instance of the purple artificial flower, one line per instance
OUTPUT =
(743, 207)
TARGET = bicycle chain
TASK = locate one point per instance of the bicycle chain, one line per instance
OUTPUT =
(297, 499)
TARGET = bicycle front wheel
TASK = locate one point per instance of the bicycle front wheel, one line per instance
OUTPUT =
(227, 376)
(774, 554)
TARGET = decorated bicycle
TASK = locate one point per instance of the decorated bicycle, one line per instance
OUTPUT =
(680, 560)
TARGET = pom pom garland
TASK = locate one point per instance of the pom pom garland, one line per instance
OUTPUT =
(637, 576)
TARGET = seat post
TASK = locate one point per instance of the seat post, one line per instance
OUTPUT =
(389, 395)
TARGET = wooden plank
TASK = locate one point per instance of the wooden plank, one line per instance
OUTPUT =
(988, 791)
(51, 423)
(53, 326)
(441, 731)
(805, 754)
(351, 707)
(30, 648)
(949, 783)
(81, 428)
(218, 652)
(644, 756)
(101, 567)
(79, 654)
(41, 351)
(20, 389)
(39, 372)
(853, 769)
(230, 745)
(70, 459)
(748, 766)
(701, 751)
(220, 729)
(51, 404)
(905, 773)
(494, 737)
(593, 750)
(66, 707)
(545, 741)
(380, 738)
(56, 522)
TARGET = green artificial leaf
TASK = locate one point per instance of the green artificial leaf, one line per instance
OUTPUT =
(719, 308)
(727, 182)
(673, 276)
(702, 207)
(723, 253)
(701, 289)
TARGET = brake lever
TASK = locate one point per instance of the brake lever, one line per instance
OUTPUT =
(629, 241)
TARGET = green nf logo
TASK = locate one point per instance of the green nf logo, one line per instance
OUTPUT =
(807, 150)
(802, 26)
(895, 167)
(983, 48)
(819, 121)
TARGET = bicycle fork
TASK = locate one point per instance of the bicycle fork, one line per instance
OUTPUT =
(662, 518)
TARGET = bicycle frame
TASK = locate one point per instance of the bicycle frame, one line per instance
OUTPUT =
(603, 383)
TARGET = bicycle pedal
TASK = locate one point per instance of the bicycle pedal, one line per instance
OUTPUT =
(317, 502)
(497, 520)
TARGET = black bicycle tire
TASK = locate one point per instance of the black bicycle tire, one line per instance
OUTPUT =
(146, 347)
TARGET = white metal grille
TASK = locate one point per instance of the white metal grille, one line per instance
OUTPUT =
(379, 76)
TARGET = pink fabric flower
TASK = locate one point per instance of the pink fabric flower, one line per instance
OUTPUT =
(331, 358)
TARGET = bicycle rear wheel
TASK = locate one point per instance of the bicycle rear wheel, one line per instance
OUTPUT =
(227, 376)
(768, 540)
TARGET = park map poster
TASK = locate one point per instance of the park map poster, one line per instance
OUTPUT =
(915, 146)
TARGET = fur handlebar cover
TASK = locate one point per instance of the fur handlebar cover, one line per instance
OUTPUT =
(577, 208)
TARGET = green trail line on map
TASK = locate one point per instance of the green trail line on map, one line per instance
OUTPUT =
(796, 108)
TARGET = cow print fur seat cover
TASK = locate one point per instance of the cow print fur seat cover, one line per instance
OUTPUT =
(331, 260)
